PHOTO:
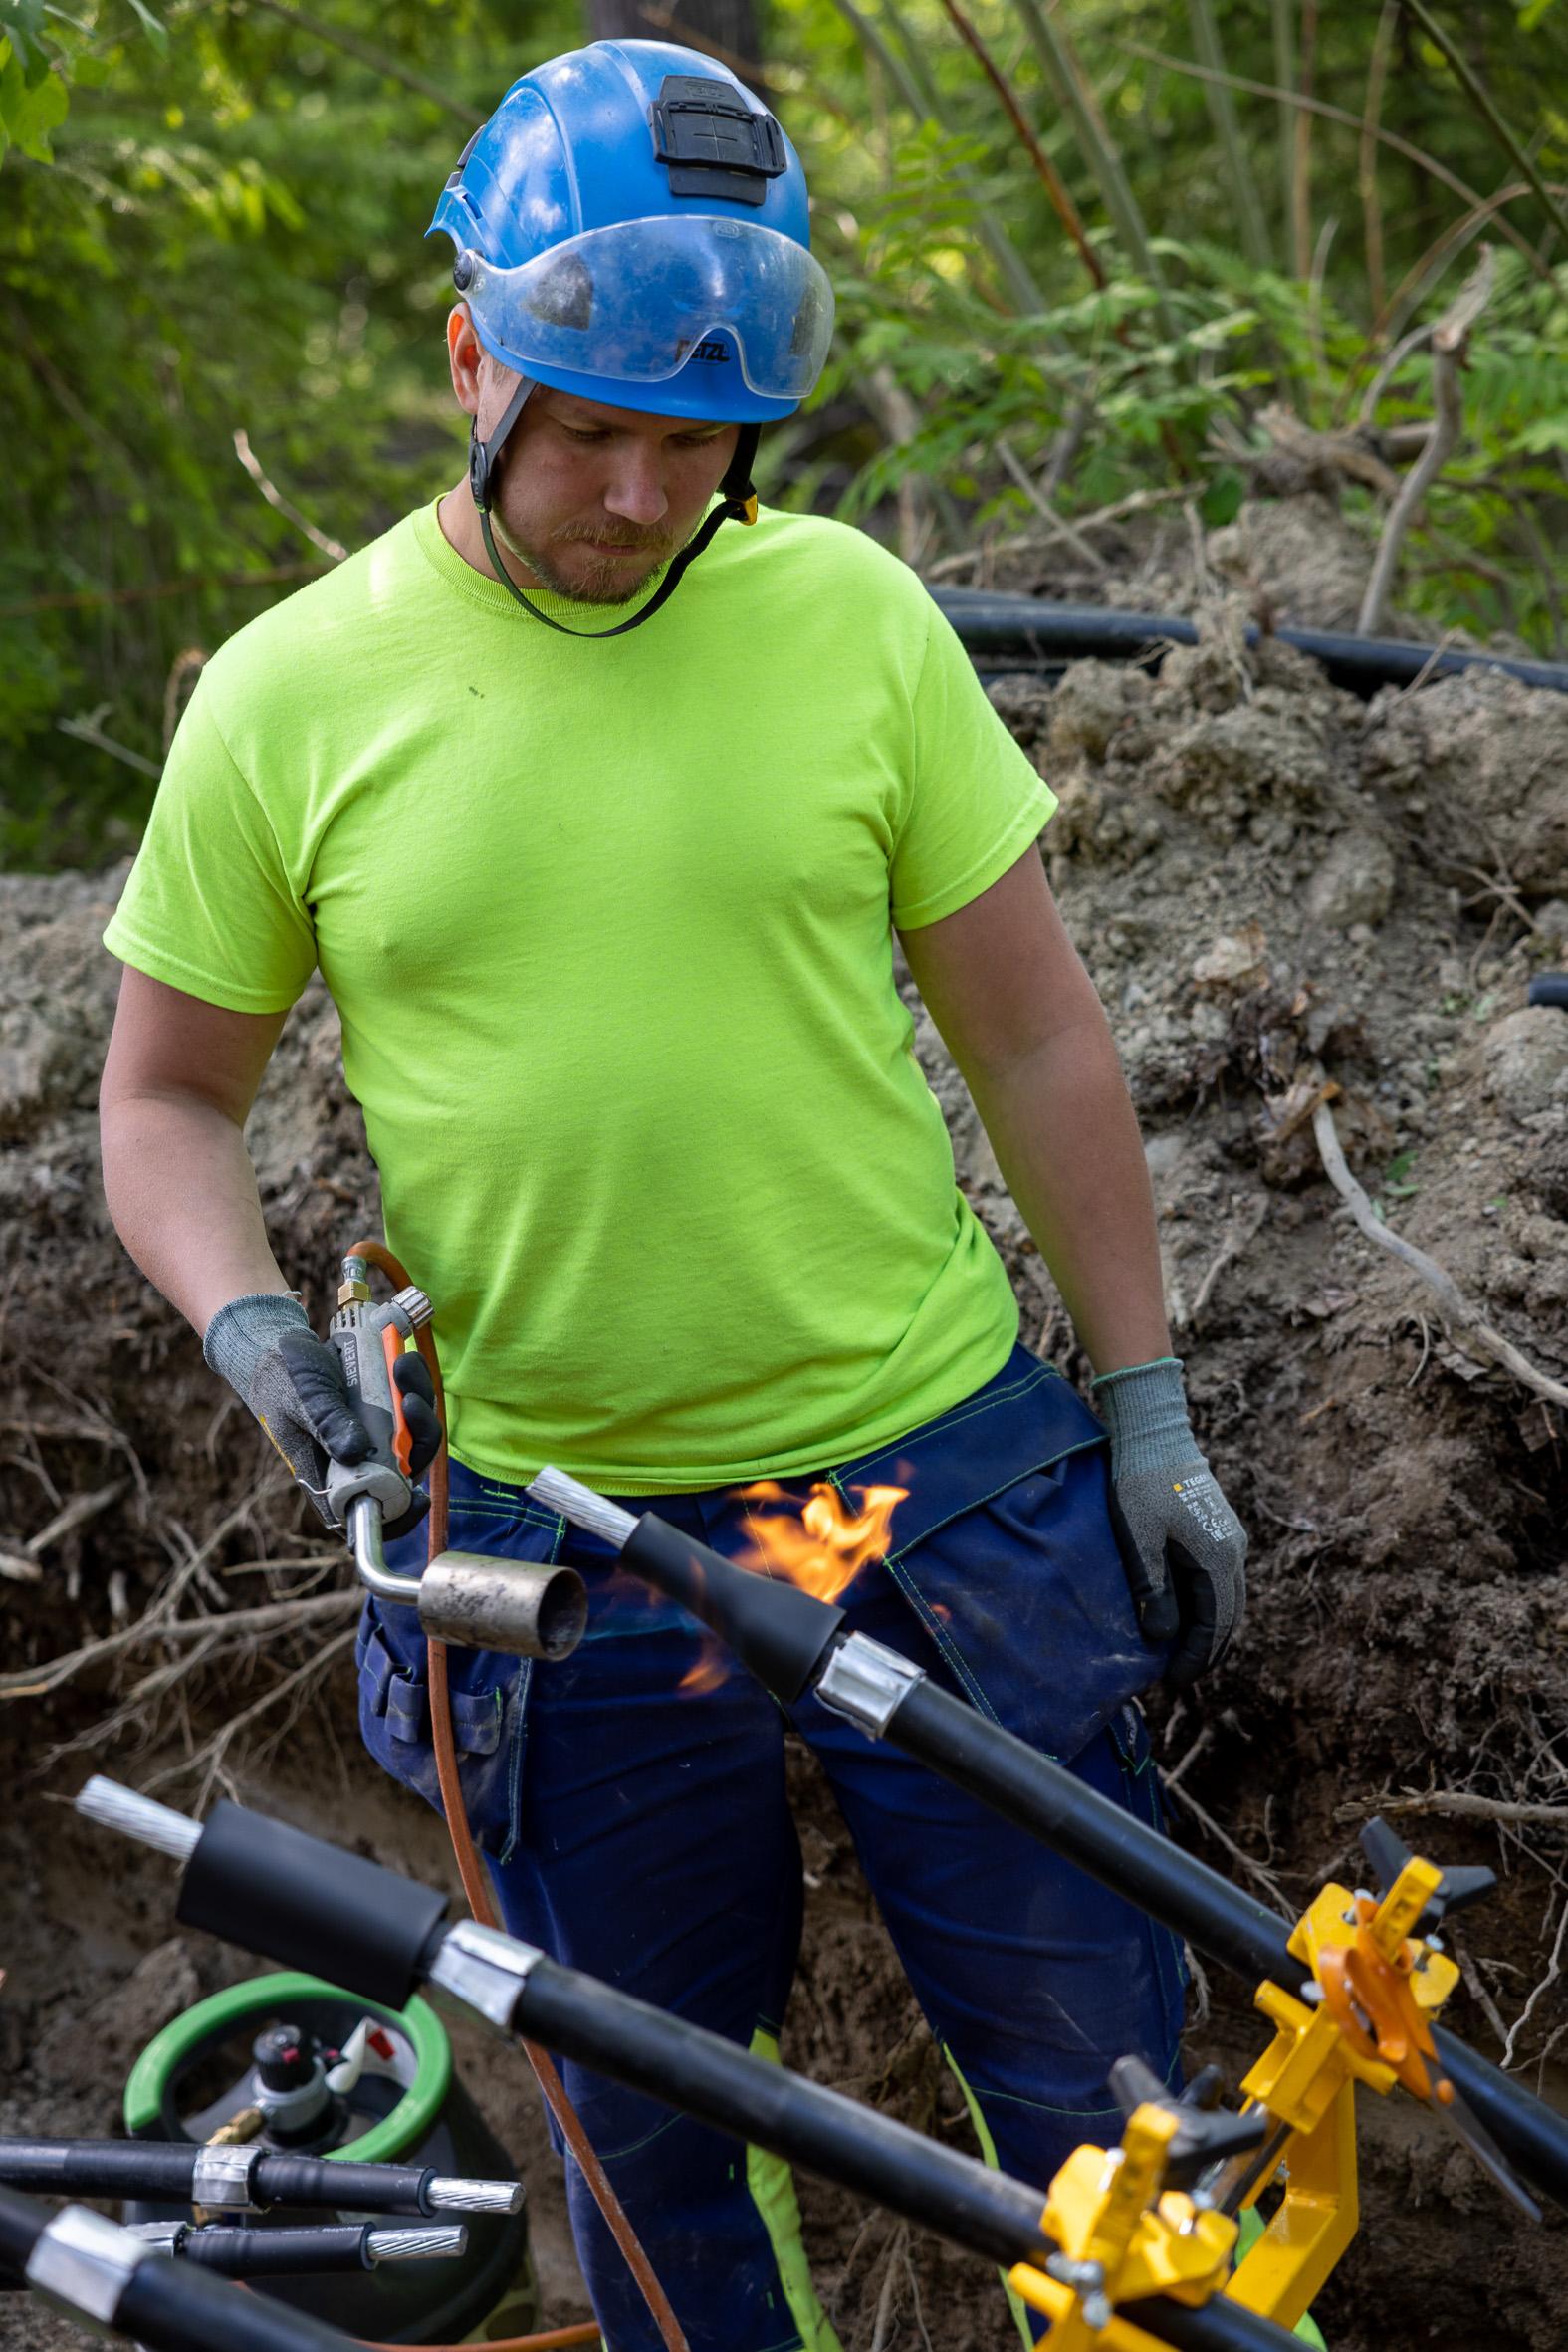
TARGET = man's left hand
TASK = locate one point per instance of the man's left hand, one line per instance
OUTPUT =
(1183, 1546)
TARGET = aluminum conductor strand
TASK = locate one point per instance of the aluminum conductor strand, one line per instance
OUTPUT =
(473, 2197)
(415, 2245)
(141, 1817)
(595, 1512)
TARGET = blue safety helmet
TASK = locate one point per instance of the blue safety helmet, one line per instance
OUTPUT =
(631, 225)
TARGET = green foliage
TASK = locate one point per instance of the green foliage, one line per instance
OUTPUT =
(212, 221)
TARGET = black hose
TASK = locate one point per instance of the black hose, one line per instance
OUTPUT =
(940, 2187)
(171, 2307)
(725, 2086)
(1042, 634)
(1134, 1860)
(1530, 2134)
(1012, 1778)
(1127, 1855)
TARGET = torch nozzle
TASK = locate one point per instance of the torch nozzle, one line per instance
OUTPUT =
(595, 1512)
(114, 1806)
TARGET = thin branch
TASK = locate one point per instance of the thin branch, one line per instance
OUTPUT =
(1302, 143)
(1285, 76)
(1423, 274)
(1463, 1805)
(1245, 1862)
(1367, 160)
(1554, 1969)
(211, 1757)
(1480, 98)
(1047, 515)
(1238, 1236)
(1051, 179)
(275, 498)
(87, 730)
(1077, 94)
(380, 60)
(1463, 1324)
(280, 1616)
(916, 89)
(1331, 113)
(1227, 136)
(1450, 343)
(1029, 543)
(74, 1514)
(87, 599)
(1386, 373)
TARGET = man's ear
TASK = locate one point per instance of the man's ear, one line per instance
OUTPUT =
(465, 355)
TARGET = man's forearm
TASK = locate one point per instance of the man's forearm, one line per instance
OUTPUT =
(1065, 1136)
(182, 1191)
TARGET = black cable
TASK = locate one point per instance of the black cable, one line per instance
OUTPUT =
(1040, 633)
(160, 2170)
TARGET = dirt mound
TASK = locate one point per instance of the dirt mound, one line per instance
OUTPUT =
(1286, 899)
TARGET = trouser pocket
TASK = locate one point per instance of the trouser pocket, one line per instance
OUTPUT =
(1027, 1600)
(488, 1697)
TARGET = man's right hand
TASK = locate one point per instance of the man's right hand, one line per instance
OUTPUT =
(294, 1383)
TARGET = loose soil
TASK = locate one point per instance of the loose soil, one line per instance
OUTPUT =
(1274, 886)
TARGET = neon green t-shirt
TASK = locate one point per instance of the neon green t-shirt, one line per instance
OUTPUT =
(608, 927)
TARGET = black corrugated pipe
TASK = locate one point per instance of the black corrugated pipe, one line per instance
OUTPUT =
(1031, 633)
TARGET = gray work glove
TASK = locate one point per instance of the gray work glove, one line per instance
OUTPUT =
(294, 1383)
(1183, 1546)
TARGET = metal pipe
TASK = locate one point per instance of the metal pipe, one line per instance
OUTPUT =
(525, 1607)
(369, 1557)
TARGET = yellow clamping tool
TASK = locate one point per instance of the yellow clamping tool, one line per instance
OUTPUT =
(1122, 2235)
(1376, 1984)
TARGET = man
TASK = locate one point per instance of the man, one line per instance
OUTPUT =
(610, 927)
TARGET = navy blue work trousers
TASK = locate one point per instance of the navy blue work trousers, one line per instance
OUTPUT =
(630, 1800)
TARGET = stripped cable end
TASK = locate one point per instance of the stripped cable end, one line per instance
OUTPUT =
(580, 1504)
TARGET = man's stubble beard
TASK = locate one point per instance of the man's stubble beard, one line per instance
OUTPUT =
(603, 583)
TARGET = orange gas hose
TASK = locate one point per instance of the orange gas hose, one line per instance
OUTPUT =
(585, 2331)
(477, 1890)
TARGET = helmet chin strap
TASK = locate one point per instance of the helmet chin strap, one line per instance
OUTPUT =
(739, 504)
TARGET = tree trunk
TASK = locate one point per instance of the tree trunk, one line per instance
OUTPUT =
(727, 29)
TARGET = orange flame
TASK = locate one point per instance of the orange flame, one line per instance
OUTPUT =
(707, 1670)
(823, 1546)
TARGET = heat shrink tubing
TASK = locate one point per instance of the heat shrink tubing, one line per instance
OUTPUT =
(287, 2253)
(103, 2276)
(301, 1903)
(792, 1642)
(243, 2177)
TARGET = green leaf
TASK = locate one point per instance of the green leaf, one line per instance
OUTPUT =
(22, 22)
(27, 117)
(156, 32)
(1222, 500)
